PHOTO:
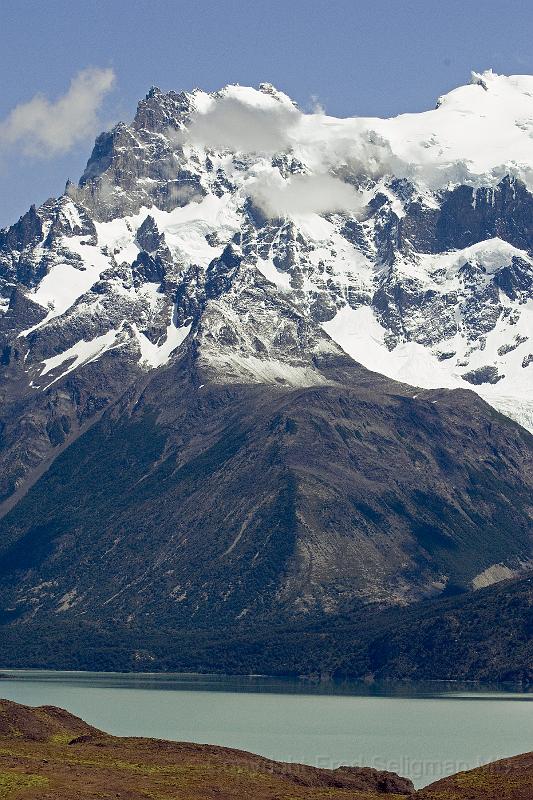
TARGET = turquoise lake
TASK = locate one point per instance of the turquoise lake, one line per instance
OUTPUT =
(422, 732)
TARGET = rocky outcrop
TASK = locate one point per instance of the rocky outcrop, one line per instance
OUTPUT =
(483, 375)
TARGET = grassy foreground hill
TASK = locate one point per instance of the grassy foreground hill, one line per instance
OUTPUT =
(48, 754)
(508, 779)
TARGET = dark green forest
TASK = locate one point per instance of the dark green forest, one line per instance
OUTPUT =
(483, 636)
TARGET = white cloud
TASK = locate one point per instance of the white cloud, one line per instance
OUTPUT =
(435, 149)
(303, 194)
(45, 128)
(246, 121)
(233, 124)
(251, 122)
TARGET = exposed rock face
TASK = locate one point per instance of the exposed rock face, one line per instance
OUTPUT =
(143, 163)
(483, 375)
(164, 274)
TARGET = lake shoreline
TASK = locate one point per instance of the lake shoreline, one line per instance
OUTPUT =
(311, 682)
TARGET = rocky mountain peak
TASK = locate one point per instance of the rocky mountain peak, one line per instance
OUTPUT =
(148, 236)
(253, 340)
(161, 112)
(270, 89)
(323, 241)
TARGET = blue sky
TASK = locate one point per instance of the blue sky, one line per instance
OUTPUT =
(355, 57)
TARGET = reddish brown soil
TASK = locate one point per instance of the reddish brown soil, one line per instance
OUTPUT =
(509, 779)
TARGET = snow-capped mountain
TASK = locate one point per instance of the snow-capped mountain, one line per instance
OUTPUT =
(408, 240)
(226, 259)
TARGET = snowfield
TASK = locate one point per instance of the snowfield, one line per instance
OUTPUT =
(336, 216)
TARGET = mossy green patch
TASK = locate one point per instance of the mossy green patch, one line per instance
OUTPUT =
(11, 782)
(62, 738)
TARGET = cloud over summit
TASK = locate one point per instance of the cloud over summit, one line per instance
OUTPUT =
(475, 135)
(254, 123)
(232, 124)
